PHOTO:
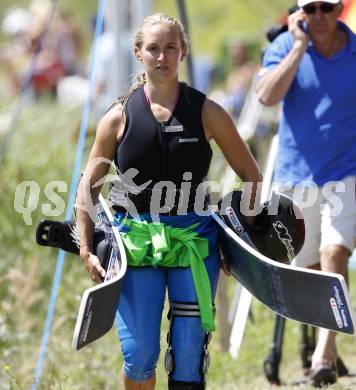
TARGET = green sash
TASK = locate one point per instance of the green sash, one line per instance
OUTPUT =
(157, 244)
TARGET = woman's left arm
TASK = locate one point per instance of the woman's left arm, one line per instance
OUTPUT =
(219, 125)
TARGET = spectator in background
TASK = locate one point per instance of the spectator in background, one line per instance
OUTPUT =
(253, 120)
(311, 68)
(105, 51)
(14, 53)
(69, 42)
(239, 77)
(53, 43)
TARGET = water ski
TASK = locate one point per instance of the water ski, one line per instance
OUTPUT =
(98, 305)
(312, 297)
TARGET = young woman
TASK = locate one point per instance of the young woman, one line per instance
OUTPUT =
(162, 129)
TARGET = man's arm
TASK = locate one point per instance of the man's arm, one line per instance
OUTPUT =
(272, 86)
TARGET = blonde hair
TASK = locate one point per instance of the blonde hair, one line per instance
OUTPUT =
(139, 78)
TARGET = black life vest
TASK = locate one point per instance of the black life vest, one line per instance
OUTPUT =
(164, 151)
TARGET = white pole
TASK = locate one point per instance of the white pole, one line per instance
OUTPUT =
(240, 320)
(139, 10)
(250, 113)
(269, 168)
(122, 19)
(112, 25)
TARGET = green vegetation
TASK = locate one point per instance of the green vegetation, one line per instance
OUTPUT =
(212, 23)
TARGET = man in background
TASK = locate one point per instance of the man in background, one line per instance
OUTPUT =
(311, 69)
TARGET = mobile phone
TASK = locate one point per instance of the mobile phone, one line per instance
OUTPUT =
(303, 25)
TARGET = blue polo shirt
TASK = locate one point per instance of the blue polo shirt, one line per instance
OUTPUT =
(317, 130)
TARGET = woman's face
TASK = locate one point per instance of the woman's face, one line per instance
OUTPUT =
(161, 52)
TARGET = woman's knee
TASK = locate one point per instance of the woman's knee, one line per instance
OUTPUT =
(140, 358)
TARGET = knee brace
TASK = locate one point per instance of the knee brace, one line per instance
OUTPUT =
(185, 309)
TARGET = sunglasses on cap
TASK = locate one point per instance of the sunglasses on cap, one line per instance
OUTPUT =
(325, 8)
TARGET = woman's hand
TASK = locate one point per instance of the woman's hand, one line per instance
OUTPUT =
(92, 264)
(225, 266)
(250, 220)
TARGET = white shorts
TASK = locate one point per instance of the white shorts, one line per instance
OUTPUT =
(329, 216)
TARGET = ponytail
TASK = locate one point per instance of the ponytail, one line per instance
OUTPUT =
(138, 81)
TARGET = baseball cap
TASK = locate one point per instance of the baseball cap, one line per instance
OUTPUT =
(302, 3)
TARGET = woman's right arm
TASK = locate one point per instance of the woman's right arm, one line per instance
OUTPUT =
(107, 138)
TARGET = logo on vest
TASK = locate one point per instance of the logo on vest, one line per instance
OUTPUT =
(173, 129)
(191, 140)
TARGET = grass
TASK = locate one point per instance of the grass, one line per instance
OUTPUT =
(43, 150)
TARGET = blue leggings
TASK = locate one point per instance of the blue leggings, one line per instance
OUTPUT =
(140, 312)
